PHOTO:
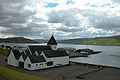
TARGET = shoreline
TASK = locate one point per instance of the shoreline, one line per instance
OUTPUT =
(94, 65)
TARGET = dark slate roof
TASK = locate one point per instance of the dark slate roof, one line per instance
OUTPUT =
(37, 59)
(17, 54)
(52, 41)
(27, 52)
(55, 53)
(24, 56)
(39, 52)
(33, 48)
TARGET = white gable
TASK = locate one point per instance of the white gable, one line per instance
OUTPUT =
(21, 58)
(36, 53)
(11, 59)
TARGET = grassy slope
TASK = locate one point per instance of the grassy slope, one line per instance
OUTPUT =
(4, 52)
(17, 40)
(105, 41)
(10, 74)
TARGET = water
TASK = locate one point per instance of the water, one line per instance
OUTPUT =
(110, 55)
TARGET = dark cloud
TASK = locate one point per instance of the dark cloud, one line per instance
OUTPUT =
(17, 31)
(35, 19)
(66, 17)
(68, 23)
(108, 24)
(13, 17)
(13, 12)
(69, 29)
(102, 20)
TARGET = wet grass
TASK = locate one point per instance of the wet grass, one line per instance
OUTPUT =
(9, 74)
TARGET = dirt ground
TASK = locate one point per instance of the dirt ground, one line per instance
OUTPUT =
(77, 72)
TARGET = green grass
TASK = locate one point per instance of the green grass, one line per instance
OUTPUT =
(10, 74)
(106, 41)
(4, 51)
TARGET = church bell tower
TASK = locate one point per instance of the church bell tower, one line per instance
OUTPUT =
(52, 43)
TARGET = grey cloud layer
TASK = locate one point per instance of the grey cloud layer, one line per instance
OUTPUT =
(66, 17)
(15, 19)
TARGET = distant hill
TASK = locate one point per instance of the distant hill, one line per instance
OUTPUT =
(67, 41)
(111, 40)
(108, 41)
(75, 41)
(17, 40)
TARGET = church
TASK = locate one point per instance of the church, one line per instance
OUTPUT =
(39, 56)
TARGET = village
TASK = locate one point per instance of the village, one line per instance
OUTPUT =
(35, 57)
(52, 62)
(39, 56)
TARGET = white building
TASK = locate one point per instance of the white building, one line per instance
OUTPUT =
(39, 56)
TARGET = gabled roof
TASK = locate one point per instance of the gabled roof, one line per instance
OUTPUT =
(52, 41)
(34, 48)
(27, 52)
(24, 56)
(39, 52)
(55, 53)
(36, 59)
(17, 54)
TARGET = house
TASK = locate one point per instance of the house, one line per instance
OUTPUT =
(33, 48)
(56, 57)
(13, 58)
(35, 62)
(39, 56)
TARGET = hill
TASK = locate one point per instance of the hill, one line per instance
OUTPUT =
(75, 41)
(108, 41)
(17, 40)
(111, 41)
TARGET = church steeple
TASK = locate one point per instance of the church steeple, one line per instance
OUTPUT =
(52, 43)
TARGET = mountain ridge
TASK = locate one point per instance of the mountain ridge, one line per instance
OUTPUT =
(17, 40)
(112, 40)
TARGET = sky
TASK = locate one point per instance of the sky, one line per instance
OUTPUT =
(65, 19)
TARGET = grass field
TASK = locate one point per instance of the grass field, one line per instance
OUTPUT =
(4, 52)
(9, 74)
(106, 42)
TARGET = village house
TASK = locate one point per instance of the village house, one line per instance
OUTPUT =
(39, 56)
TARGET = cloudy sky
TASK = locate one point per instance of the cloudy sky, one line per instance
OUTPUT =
(66, 19)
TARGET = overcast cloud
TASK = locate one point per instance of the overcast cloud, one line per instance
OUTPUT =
(64, 18)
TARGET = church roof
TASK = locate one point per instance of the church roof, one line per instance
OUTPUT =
(34, 48)
(17, 54)
(37, 59)
(55, 53)
(52, 41)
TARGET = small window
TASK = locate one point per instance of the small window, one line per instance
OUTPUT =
(29, 65)
(6, 59)
(50, 63)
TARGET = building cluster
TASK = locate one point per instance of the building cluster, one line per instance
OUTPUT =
(39, 56)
